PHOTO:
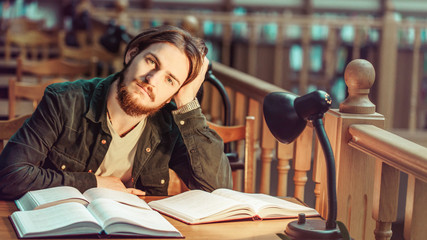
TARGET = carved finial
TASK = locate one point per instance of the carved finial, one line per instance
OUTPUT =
(190, 24)
(121, 5)
(359, 77)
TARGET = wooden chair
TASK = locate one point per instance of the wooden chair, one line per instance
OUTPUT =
(29, 91)
(39, 44)
(23, 24)
(230, 134)
(50, 68)
(9, 127)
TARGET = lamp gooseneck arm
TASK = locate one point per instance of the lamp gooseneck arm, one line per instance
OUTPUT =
(330, 169)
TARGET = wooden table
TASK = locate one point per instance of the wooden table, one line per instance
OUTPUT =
(266, 229)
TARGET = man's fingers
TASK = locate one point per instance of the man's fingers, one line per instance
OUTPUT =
(135, 191)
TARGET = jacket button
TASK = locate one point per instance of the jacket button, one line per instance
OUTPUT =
(162, 181)
(148, 149)
(63, 167)
(182, 122)
(103, 141)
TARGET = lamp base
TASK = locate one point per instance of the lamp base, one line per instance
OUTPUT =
(311, 229)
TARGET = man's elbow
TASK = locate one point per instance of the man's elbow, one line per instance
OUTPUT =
(13, 182)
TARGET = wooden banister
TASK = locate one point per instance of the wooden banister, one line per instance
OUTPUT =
(245, 83)
(394, 154)
(396, 151)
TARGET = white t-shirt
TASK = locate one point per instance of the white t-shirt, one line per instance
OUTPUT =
(120, 155)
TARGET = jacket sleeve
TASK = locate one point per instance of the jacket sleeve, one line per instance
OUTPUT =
(198, 156)
(22, 159)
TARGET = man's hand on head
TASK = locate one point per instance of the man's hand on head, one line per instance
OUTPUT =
(116, 184)
(188, 92)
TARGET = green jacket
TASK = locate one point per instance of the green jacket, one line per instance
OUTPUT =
(67, 137)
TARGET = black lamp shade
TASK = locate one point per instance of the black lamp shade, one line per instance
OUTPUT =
(281, 117)
(286, 114)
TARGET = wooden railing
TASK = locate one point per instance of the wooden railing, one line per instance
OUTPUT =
(393, 155)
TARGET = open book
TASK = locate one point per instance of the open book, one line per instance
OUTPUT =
(43, 198)
(102, 216)
(197, 206)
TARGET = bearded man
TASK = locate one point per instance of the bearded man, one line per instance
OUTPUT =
(125, 131)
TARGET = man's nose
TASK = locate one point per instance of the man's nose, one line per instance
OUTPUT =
(147, 78)
(152, 78)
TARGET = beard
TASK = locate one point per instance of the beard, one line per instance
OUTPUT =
(129, 104)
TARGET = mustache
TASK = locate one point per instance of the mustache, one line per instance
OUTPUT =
(147, 87)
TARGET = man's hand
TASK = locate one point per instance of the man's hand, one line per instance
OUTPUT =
(116, 184)
(188, 92)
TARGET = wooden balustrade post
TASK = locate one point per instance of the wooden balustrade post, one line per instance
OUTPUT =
(226, 43)
(357, 42)
(252, 49)
(387, 66)
(415, 211)
(278, 57)
(318, 178)
(302, 161)
(285, 152)
(415, 82)
(238, 118)
(215, 106)
(206, 100)
(331, 54)
(386, 193)
(305, 68)
(355, 170)
(268, 143)
(255, 109)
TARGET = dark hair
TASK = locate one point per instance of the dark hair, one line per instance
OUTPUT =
(193, 47)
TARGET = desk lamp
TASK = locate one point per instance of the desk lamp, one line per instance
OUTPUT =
(286, 116)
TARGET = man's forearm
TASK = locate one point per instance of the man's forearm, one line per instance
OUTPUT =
(210, 166)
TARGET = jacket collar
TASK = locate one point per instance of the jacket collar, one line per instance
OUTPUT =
(98, 102)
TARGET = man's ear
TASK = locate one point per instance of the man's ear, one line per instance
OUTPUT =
(130, 54)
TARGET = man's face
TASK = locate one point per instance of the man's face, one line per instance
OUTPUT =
(151, 80)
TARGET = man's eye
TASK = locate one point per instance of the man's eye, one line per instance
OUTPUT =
(170, 81)
(150, 61)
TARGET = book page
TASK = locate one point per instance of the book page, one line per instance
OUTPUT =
(121, 219)
(266, 205)
(255, 203)
(118, 196)
(199, 206)
(62, 219)
(50, 196)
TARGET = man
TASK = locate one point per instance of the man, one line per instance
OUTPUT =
(123, 132)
